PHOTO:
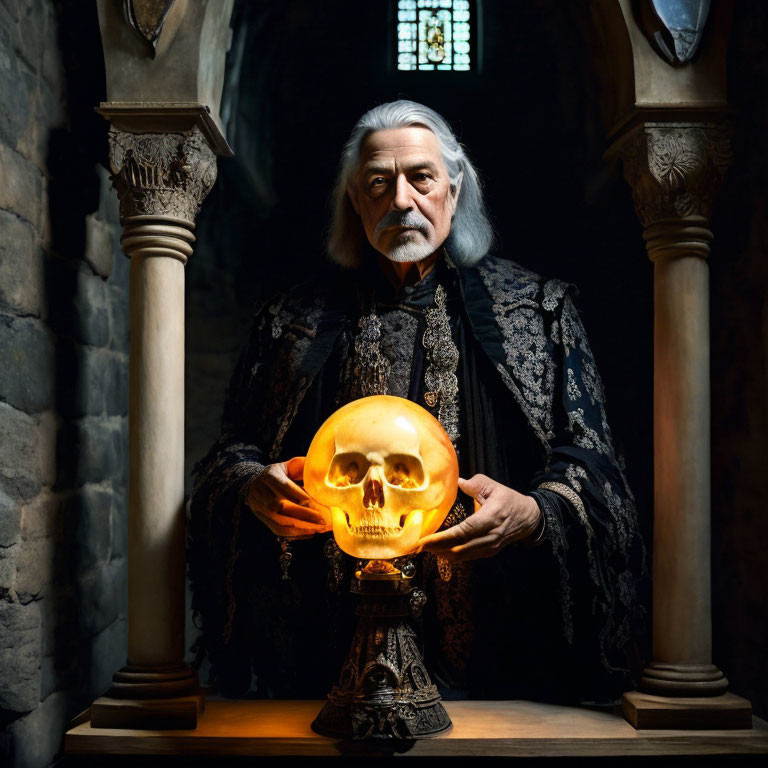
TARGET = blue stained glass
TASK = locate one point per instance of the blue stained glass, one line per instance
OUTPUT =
(434, 35)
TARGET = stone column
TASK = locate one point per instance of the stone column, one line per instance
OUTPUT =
(161, 180)
(674, 170)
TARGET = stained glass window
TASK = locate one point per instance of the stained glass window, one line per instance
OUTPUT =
(433, 35)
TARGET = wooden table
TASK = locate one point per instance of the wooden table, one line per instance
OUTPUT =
(480, 728)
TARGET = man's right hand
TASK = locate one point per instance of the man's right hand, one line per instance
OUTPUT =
(285, 507)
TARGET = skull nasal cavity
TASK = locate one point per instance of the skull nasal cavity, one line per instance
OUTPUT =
(373, 493)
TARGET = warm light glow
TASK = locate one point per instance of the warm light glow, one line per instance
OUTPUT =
(387, 470)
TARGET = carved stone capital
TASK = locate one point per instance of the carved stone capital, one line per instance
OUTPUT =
(675, 169)
(161, 174)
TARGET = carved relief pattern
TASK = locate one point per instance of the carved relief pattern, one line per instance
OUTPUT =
(384, 690)
(675, 169)
(161, 174)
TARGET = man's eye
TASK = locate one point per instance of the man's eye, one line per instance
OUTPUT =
(421, 177)
(378, 181)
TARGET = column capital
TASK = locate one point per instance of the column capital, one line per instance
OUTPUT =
(675, 168)
(161, 180)
(161, 174)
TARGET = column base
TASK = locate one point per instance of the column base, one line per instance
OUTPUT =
(647, 711)
(682, 679)
(155, 698)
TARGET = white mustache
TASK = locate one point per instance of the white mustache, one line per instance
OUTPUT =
(410, 219)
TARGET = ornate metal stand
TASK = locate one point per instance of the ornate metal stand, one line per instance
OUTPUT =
(384, 691)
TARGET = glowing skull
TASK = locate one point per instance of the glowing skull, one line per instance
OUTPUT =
(387, 470)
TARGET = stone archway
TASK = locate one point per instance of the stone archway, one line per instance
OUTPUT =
(668, 123)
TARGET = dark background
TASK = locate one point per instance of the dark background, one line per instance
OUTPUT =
(299, 76)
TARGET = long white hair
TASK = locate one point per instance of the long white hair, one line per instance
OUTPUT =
(471, 235)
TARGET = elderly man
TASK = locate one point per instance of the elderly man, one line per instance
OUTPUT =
(531, 581)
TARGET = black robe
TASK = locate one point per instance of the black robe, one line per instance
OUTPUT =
(550, 622)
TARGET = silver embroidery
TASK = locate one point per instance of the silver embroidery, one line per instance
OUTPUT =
(513, 292)
(573, 474)
(370, 369)
(554, 290)
(585, 436)
(572, 387)
(280, 317)
(441, 387)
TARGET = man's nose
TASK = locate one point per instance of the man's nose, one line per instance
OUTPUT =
(402, 198)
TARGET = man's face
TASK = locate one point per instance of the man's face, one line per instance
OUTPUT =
(402, 193)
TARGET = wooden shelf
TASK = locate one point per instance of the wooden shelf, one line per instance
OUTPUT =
(506, 728)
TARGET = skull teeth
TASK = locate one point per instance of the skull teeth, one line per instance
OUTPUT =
(374, 531)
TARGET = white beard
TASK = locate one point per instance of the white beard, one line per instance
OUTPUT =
(410, 248)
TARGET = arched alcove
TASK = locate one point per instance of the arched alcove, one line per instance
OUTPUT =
(299, 76)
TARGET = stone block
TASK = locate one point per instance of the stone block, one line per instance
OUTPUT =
(64, 654)
(21, 267)
(108, 654)
(99, 245)
(60, 624)
(38, 737)
(10, 520)
(19, 656)
(27, 375)
(32, 15)
(120, 452)
(97, 599)
(34, 568)
(119, 309)
(93, 382)
(84, 377)
(39, 517)
(52, 65)
(46, 111)
(50, 679)
(22, 189)
(116, 384)
(8, 570)
(92, 318)
(90, 305)
(118, 570)
(14, 97)
(87, 452)
(11, 10)
(76, 300)
(119, 527)
(20, 473)
(48, 426)
(90, 520)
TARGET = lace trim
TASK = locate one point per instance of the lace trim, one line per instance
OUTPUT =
(567, 493)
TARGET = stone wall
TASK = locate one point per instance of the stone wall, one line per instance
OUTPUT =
(63, 383)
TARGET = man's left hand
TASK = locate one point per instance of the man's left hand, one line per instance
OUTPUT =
(502, 516)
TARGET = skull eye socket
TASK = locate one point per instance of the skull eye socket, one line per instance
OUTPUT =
(347, 469)
(404, 472)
